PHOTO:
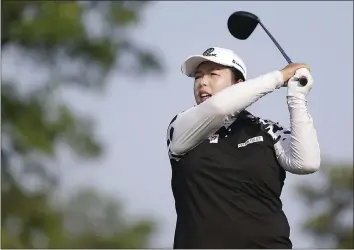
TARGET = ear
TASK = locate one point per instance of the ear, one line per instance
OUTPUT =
(238, 81)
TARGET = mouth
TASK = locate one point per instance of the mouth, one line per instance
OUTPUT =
(204, 96)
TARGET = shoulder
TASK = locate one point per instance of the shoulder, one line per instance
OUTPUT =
(275, 130)
(178, 114)
(171, 126)
(173, 120)
(170, 136)
(170, 130)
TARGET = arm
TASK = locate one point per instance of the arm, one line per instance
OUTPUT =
(298, 151)
(190, 128)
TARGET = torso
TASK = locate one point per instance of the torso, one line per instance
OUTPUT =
(227, 191)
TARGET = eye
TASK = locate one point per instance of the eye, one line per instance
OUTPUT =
(214, 74)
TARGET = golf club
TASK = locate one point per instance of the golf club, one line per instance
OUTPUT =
(241, 24)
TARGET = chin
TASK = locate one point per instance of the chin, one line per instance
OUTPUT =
(199, 102)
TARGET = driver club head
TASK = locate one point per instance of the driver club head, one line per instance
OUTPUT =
(241, 24)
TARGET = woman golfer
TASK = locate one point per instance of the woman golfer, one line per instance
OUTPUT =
(229, 166)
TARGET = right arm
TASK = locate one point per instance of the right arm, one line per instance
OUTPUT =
(191, 127)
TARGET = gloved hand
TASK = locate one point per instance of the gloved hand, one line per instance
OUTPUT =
(294, 87)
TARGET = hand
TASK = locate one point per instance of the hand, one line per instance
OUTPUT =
(289, 70)
(294, 87)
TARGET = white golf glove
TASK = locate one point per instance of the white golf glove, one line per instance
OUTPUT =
(294, 87)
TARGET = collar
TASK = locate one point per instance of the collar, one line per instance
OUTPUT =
(229, 120)
(232, 118)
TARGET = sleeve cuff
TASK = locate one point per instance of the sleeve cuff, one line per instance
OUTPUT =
(279, 78)
(296, 96)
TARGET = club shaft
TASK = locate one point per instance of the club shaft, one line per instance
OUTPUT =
(302, 80)
(276, 44)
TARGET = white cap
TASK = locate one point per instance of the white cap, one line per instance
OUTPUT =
(218, 55)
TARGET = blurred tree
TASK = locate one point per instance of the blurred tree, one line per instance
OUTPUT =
(332, 226)
(77, 44)
(97, 222)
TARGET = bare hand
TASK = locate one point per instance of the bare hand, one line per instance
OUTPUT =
(290, 70)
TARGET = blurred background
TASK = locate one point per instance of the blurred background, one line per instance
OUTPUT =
(89, 88)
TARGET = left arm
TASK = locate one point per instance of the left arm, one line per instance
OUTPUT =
(298, 150)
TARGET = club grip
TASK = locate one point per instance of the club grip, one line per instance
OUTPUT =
(303, 81)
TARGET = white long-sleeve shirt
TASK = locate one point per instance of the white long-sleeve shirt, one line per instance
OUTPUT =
(297, 152)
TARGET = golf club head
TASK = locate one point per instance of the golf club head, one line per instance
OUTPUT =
(241, 24)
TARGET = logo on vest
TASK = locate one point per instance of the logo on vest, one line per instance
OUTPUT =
(251, 140)
(214, 138)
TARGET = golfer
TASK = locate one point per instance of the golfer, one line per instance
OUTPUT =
(229, 166)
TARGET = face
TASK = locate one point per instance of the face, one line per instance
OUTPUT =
(211, 78)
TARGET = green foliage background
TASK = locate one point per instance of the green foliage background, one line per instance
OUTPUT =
(56, 37)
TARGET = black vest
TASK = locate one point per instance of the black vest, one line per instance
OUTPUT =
(227, 190)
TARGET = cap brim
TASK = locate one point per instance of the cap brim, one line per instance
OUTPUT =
(191, 64)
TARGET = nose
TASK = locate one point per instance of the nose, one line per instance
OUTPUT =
(204, 81)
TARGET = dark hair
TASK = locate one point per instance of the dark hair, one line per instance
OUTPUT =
(237, 74)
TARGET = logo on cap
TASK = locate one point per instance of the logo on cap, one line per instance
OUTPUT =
(234, 62)
(208, 52)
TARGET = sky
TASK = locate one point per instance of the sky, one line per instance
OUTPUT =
(132, 114)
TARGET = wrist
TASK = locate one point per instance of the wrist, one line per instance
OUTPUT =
(296, 96)
(297, 100)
